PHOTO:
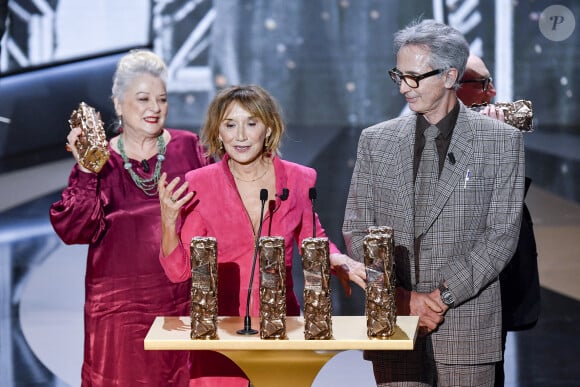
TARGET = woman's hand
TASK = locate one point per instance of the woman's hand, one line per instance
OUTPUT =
(171, 199)
(346, 270)
(71, 140)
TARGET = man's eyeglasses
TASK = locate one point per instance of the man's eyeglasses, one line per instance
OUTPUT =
(411, 80)
(484, 82)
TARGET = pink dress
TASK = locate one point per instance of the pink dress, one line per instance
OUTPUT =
(125, 286)
(217, 210)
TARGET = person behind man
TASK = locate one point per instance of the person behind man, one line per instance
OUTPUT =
(519, 280)
(476, 84)
(455, 225)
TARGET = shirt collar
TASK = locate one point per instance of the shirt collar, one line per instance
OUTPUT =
(445, 126)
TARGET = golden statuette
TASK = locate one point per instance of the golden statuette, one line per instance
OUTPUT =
(518, 114)
(204, 303)
(381, 310)
(272, 288)
(92, 143)
(317, 301)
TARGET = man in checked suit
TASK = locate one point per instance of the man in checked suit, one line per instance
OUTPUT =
(447, 259)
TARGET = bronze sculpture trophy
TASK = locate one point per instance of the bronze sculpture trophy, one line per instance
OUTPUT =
(204, 306)
(317, 301)
(92, 143)
(381, 310)
(272, 288)
(519, 114)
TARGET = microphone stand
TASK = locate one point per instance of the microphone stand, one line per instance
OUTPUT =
(272, 207)
(247, 319)
(312, 196)
(271, 210)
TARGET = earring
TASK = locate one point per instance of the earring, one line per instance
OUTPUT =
(221, 145)
(119, 123)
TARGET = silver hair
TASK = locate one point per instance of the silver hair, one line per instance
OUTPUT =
(134, 64)
(447, 46)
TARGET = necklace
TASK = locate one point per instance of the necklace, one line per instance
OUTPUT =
(250, 180)
(149, 186)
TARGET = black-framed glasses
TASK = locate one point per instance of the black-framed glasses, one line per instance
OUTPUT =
(484, 82)
(411, 80)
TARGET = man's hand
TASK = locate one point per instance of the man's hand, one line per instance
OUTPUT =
(493, 112)
(425, 305)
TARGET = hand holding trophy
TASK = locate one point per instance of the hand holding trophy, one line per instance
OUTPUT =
(91, 144)
(518, 113)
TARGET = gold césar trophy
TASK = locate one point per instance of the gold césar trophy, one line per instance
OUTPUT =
(317, 301)
(92, 143)
(272, 288)
(204, 303)
(518, 114)
(380, 307)
(316, 268)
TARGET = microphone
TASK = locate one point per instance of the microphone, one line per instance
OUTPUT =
(145, 166)
(312, 196)
(451, 157)
(247, 319)
(285, 193)
(272, 207)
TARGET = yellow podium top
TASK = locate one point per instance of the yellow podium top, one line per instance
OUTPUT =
(349, 332)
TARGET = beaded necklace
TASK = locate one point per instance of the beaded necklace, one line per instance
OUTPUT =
(149, 186)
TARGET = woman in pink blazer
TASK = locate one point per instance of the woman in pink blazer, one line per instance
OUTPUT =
(244, 128)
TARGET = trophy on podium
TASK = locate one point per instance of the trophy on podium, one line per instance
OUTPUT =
(272, 288)
(381, 310)
(317, 302)
(204, 310)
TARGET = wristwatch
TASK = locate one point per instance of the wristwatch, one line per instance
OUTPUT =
(446, 296)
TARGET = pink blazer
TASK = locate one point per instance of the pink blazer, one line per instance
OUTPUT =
(217, 210)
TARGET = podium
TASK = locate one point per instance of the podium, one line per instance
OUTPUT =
(293, 362)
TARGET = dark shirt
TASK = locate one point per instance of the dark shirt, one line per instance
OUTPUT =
(442, 141)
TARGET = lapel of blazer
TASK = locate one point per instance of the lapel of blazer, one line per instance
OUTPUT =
(461, 146)
(406, 141)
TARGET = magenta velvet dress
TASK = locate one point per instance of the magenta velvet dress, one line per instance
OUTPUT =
(217, 210)
(125, 286)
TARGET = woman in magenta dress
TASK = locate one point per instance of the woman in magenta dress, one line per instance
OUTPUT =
(116, 212)
(244, 128)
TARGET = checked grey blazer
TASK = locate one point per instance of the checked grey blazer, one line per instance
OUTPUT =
(471, 230)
